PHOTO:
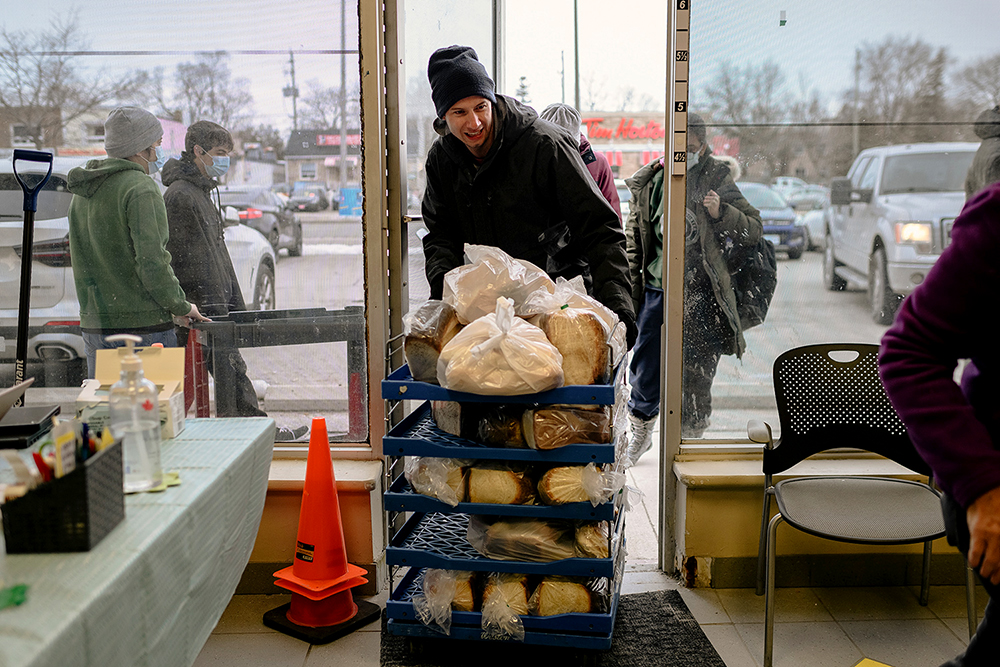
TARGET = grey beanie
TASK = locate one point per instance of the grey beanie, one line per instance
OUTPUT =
(564, 116)
(696, 126)
(130, 130)
(455, 73)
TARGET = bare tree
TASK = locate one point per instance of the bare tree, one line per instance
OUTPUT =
(206, 90)
(979, 82)
(42, 86)
(522, 94)
(592, 92)
(322, 107)
(893, 73)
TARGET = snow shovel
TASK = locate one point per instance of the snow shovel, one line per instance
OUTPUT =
(27, 241)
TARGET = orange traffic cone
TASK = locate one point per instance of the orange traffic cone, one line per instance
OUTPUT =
(320, 578)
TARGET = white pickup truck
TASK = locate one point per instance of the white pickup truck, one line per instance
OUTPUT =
(891, 217)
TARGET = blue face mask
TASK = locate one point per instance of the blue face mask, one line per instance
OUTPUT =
(692, 159)
(156, 165)
(219, 166)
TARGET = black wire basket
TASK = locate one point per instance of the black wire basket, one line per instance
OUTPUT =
(71, 513)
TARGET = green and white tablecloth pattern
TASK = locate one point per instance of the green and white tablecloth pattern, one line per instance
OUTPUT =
(152, 591)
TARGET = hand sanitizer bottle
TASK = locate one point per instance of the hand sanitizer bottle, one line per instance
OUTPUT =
(134, 411)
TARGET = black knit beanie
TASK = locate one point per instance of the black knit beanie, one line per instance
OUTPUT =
(696, 126)
(456, 73)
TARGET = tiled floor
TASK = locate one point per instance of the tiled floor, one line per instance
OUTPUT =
(815, 627)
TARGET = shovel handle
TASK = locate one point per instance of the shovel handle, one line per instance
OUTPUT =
(31, 194)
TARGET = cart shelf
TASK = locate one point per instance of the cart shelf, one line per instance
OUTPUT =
(400, 386)
(402, 498)
(439, 541)
(418, 435)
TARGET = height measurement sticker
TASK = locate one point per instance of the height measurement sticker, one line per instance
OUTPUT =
(682, 24)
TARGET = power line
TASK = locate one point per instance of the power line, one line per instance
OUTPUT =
(241, 52)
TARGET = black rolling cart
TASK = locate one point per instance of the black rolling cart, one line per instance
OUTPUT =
(432, 534)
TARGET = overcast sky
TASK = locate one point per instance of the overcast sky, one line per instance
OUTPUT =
(622, 41)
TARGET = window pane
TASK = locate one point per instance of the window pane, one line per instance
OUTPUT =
(801, 97)
(283, 78)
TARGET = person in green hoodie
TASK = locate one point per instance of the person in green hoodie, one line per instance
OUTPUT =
(118, 240)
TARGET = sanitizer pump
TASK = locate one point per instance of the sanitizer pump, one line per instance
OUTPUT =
(134, 411)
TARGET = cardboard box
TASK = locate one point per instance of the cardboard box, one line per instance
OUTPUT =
(163, 366)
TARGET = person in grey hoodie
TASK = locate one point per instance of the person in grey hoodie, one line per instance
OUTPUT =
(985, 168)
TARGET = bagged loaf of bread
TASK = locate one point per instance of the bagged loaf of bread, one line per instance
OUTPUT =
(500, 426)
(534, 540)
(465, 591)
(473, 288)
(500, 484)
(505, 599)
(579, 484)
(500, 355)
(592, 539)
(440, 592)
(513, 589)
(439, 478)
(581, 339)
(557, 426)
(562, 595)
(426, 331)
(461, 419)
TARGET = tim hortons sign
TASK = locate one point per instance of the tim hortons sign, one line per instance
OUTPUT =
(625, 128)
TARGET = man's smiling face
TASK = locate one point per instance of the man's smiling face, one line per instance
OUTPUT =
(471, 120)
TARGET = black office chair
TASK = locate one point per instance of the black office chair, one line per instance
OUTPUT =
(826, 402)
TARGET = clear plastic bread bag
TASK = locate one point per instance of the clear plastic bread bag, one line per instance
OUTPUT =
(534, 540)
(589, 483)
(500, 620)
(573, 293)
(433, 602)
(440, 478)
(472, 289)
(500, 355)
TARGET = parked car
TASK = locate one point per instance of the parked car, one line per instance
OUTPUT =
(310, 197)
(815, 222)
(808, 198)
(624, 197)
(785, 184)
(782, 226)
(891, 218)
(54, 318)
(263, 210)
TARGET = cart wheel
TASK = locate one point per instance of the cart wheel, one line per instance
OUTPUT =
(416, 647)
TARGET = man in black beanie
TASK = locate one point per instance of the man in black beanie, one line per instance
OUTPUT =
(498, 176)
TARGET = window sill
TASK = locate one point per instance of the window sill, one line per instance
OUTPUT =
(704, 472)
(351, 476)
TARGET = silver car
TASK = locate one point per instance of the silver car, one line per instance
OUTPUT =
(54, 320)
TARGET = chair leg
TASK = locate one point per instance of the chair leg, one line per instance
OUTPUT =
(772, 536)
(761, 543)
(925, 576)
(970, 599)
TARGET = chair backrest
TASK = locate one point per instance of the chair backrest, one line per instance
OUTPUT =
(824, 404)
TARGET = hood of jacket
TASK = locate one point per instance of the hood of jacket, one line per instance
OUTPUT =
(186, 170)
(988, 123)
(510, 120)
(87, 180)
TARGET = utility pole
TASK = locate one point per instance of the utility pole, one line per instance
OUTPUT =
(576, 54)
(292, 91)
(562, 74)
(856, 143)
(343, 96)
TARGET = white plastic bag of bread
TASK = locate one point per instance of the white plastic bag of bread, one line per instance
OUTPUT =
(473, 288)
(573, 293)
(444, 479)
(500, 354)
(560, 425)
(505, 599)
(533, 540)
(426, 331)
(500, 483)
(434, 602)
(592, 539)
(580, 337)
(579, 484)
(556, 594)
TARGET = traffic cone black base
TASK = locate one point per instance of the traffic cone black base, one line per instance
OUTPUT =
(277, 619)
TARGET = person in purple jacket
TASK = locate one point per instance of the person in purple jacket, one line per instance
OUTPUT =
(569, 118)
(953, 316)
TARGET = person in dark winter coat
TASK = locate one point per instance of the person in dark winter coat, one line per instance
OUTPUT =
(955, 427)
(985, 167)
(498, 176)
(569, 119)
(719, 221)
(198, 250)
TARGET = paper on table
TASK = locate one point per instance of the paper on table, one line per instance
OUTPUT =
(10, 395)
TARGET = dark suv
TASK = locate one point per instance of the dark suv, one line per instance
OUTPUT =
(263, 210)
(309, 197)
